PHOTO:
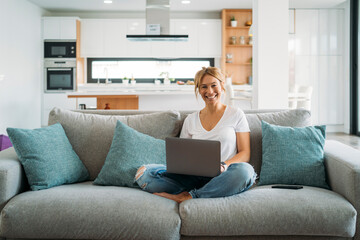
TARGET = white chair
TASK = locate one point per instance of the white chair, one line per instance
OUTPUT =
(304, 100)
(300, 97)
(230, 97)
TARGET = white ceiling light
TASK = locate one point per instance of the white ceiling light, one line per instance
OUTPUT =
(107, 1)
(185, 2)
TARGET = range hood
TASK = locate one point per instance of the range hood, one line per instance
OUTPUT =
(157, 18)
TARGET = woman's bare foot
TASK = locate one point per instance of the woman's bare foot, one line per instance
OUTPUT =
(176, 197)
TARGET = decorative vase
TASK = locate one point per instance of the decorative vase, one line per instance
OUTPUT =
(250, 40)
(228, 80)
(242, 40)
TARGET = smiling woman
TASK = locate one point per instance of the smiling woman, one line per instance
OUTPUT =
(214, 122)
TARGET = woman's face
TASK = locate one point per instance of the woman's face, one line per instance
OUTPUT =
(210, 90)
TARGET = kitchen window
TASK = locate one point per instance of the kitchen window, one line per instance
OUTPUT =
(144, 70)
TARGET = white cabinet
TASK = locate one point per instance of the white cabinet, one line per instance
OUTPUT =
(59, 27)
(107, 38)
(190, 47)
(331, 28)
(164, 48)
(319, 62)
(133, 48)
(209, 32)
(92, 38)
(51, 100)
(113, 40)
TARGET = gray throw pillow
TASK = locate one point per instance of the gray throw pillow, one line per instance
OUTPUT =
(91, 135)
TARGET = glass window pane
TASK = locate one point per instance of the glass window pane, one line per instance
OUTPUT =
(147, 69)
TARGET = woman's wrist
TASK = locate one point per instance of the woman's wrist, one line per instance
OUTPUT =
(224, 166)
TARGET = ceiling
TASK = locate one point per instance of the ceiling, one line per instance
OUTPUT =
(175, 5)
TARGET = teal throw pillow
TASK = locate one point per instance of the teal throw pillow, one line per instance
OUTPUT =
(47, 156)
(129, 150)
(293, 155)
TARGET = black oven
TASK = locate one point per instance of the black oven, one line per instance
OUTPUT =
(60, 49)
(60, 76)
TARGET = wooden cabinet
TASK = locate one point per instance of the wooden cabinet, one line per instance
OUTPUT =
(110, 101)
(236, 58)
(59, 28)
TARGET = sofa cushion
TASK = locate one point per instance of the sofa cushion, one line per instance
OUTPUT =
(293, 155)
(129, 150)
(47, 156)
(290, 118)
(267, 211)
(86, 211)
(91, 134)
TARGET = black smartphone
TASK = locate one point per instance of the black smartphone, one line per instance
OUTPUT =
(294, 187)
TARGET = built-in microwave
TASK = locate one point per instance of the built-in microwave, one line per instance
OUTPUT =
(60, 49)
(60, 75)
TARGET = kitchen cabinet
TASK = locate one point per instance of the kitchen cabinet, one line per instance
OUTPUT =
(59, 28)
(164, 48)
(209, 35)
(113, 40)
(107, 38)
(60, 100)
(133, 48)
(51, 100)
(318, 60)
(189, 47)
(105, 101)
(92, 38)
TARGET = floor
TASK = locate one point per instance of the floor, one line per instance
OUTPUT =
(351, 140)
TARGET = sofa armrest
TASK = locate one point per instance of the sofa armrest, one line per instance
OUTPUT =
(12, 177)
(342, 164)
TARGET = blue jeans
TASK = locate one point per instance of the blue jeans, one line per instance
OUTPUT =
(238, 178)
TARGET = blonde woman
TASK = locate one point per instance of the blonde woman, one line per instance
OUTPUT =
(215, 122)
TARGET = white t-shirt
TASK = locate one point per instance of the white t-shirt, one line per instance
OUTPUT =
(232, 121)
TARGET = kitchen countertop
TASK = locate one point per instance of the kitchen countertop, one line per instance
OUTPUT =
(140, 89)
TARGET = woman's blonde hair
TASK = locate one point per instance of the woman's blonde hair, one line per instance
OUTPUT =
(212, 71)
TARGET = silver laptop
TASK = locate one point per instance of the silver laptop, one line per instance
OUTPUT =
(193, 156)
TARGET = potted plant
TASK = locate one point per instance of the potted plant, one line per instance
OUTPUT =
(233, 21)
(166, 77)
(125, 80)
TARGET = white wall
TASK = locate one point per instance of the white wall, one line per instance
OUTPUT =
(20, 63)
(270, 54)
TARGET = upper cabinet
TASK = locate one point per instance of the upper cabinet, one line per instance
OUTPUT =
(209, 32)
(59, 27)
(107, 38)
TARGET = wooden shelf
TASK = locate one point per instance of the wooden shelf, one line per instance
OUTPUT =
(241, 68)
(245, 27)
(240, 64)
(239, 45)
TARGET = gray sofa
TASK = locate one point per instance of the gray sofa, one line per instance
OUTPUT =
(86, 211)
